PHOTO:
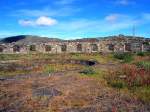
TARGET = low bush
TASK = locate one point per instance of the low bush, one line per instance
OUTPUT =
(143, 64)
(88, 71)
(125, 57)
(135, 78)
(132, 75)
(140, 54)
(117, 84)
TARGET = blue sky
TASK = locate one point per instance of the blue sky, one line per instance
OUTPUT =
(70, 19)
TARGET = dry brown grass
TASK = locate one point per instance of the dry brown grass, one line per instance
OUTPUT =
(77, 92)
(65, 90)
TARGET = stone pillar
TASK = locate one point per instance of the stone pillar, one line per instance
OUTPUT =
(124, 48)
(142, 48)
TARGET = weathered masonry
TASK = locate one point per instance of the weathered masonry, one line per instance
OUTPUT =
(116, 44)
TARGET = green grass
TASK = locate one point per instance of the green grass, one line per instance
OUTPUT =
(143, 93)
(14, 73)
(140, 54)
(147, 53)
(93, 72)
(119, 84)
(79, 56)
(4, 57)
(49, 69)
(88, 71)
(143, 53)
(144, 64)
(58, 67)
(125, 57)
(95, 56)
(30, 56)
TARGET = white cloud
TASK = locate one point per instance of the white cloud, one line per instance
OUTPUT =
(114, 22)
(41, 21)
(46, 11)
(110, 23)
(146, 16)
(45, 21)
(64, 2)
(26, 22)
(125, 2)
(112, 17)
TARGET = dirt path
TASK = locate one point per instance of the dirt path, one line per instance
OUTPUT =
(64, 92)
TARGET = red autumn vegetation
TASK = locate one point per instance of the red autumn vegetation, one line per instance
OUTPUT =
(136, 76)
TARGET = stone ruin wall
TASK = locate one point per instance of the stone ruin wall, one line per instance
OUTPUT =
(106, 46)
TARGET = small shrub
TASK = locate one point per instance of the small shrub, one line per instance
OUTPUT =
(136, 76)
(146, 43)
(141, 54)
(125, 57)
(118, 84)
(143, 64)
(88, 71)
(136, 79)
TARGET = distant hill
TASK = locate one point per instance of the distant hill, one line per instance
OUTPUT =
(30, 39)
(27, 39)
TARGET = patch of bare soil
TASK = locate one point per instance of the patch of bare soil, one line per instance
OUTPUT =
(63, 92)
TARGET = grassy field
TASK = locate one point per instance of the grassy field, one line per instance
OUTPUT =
(76, 85)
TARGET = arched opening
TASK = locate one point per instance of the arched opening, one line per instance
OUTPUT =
(63, 48)
(111, 47)
(1, 48)
(32, 48)
(128, 47)
(48, 48)
(79, 47)
(94, 47)
(16, 48)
